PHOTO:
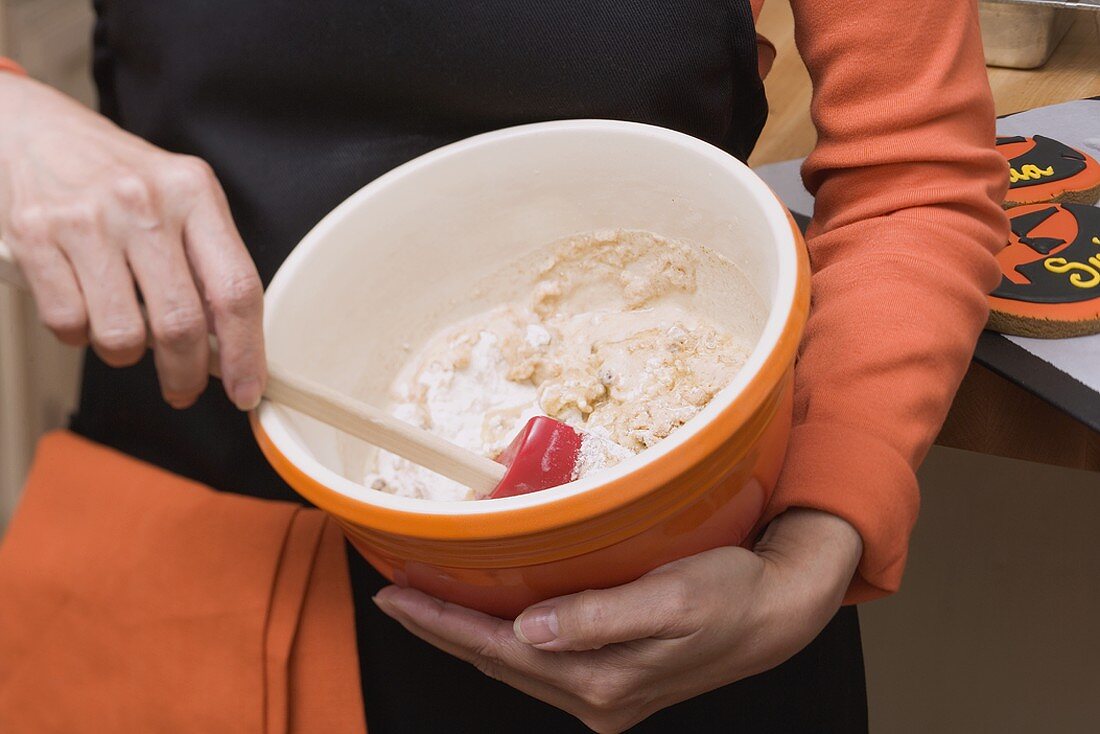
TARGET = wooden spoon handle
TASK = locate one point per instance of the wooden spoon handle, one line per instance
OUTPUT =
(382, 430)
(350, 416)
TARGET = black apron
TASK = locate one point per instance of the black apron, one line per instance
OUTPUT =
(299, 103)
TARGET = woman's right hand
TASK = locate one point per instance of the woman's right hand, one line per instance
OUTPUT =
(94, 214)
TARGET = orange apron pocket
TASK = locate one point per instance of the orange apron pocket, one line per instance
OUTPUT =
(132, 599)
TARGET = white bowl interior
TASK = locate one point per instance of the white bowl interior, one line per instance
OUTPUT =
(424, 246)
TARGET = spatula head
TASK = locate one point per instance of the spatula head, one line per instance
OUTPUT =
(543, 455)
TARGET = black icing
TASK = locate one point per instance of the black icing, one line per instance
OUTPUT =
(1045, 286)
(1046, 152)
(1013, 139)
(1024, 223)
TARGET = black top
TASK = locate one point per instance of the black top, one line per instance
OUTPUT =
(298, 104)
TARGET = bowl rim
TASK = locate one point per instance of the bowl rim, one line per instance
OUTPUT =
(632, 479)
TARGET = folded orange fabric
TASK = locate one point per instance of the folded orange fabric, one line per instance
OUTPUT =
(134, 600)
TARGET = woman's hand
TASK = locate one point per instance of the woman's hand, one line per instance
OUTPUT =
(613, 657)
(93, 214)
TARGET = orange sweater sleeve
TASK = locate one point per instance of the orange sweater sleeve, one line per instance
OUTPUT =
(907, 219)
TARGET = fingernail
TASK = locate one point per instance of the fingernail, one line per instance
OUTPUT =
(537, 626)
(382, 598)
(391, 599)
(246, 393)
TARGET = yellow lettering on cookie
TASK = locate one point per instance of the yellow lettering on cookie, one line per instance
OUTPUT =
(1077, 271)
(1029, 172)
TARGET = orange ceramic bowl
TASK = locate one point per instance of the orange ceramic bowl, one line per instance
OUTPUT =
(400, 259)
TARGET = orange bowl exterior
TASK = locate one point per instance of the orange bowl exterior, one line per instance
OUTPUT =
(708, 492)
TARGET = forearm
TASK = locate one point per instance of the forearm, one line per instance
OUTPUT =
(907, 218)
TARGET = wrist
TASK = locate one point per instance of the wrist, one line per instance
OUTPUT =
(812, 556)
(14, 81)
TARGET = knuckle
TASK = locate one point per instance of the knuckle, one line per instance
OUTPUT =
(605, 724)
(29, 224)
(681, 601)
(491, 654)
(609, 692)
(589, 612)
(121, 338)
(187, 175)
(489, 668)
(64, 318)
(604, 694)
(486, 649)
(182, 326)
(237, 295)
(132, 191)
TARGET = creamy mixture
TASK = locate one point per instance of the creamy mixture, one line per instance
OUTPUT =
(604, 343)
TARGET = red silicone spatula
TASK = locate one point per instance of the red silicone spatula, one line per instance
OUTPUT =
(543, 455)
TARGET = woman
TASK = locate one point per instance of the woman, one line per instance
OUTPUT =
(289, 107)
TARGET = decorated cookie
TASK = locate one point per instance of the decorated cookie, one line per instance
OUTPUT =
(1050, 273)
(1042, 169)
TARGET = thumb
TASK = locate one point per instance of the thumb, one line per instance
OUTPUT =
(655, 606)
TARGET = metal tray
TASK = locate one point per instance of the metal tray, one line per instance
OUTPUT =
(1019, 35)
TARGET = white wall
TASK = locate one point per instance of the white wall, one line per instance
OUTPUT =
(997, 625)
(38, 377)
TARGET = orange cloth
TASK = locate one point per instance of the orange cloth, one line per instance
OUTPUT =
(133, 600)
(907, 219)
(12, 66)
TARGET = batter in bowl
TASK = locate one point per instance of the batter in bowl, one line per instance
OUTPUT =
(606, 342)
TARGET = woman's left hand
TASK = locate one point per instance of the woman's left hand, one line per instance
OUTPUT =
(613, 657)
